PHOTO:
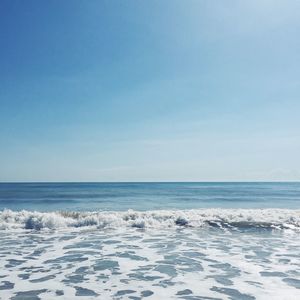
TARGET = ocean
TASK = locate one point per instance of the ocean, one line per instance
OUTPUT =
(150, 241)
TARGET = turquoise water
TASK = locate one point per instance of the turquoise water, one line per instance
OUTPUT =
(147, 196)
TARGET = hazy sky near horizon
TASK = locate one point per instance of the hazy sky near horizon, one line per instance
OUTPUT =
(149, 90)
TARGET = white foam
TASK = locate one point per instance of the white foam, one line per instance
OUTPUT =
(224, 218)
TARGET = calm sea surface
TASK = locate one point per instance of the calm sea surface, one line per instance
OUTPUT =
(147, 196)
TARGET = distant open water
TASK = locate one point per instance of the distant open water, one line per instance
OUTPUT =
(147, 196)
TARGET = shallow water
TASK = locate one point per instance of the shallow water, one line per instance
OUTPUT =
(185, 263)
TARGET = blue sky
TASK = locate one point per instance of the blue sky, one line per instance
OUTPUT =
(149, 90)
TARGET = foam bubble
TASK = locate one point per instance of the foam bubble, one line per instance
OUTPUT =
(222, 218)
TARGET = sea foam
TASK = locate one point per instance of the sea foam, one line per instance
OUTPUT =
(199, 218)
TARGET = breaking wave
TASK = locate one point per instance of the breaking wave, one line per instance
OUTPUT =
(199, 218)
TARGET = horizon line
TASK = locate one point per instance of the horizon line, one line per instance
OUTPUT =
(184, 181)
